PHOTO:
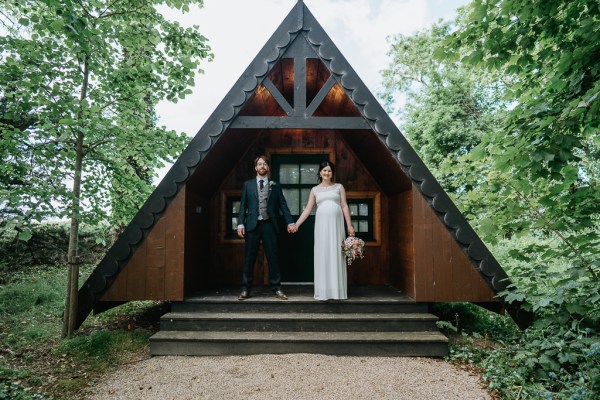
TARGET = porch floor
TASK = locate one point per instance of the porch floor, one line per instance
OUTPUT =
(304, 293)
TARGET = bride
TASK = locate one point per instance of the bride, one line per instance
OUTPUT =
(329, 263)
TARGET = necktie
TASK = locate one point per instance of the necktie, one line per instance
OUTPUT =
(262, 184)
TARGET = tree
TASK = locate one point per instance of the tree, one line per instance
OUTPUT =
(543, 167)
(80, 81)
(448, 107)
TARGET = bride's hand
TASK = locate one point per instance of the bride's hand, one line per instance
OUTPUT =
(351, 230)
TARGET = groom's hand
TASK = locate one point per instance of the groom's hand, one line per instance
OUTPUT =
(241, 231)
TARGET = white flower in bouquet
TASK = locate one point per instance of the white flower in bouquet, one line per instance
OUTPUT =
(353, 248)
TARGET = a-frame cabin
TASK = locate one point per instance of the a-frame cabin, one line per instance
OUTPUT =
(299, 102)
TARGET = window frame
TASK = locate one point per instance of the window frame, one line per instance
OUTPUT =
(225, 234)
(375, 199)
(369, 235)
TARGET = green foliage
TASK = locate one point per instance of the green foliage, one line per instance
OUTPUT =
(101, 348)
(14, 391)
(15, 384)
(542, 171)
(530, 185)
(559, 354)
(35, 363)
(89, 70)
(78, 137)
(30, 306)
(47, 247)
(545, 161)
(472, 319)
(529, 364)
(446, 326)
(448, 107)
(464, 351)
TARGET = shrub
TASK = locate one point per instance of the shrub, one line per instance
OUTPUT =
(48, 245)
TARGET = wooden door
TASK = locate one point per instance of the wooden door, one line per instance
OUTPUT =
(297, 174)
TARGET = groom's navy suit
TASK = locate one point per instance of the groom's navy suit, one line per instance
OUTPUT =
(262, 230)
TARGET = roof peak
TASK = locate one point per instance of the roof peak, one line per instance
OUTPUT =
(300, 13)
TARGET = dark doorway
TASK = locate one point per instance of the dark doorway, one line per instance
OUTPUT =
(297, 174)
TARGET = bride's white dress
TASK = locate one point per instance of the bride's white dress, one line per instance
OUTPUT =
(330, 267)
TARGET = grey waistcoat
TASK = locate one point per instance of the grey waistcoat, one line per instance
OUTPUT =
(262, 202)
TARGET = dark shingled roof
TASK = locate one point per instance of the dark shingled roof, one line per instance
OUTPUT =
(299, 21)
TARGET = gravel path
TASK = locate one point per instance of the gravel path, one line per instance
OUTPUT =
(290, 376)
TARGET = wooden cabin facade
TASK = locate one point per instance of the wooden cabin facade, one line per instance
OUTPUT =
(299, 102)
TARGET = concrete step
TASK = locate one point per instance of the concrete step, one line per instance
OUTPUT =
(270, 305)
(300, 322)
(196, 343)
(378, 321)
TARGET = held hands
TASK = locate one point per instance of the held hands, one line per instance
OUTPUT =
(241, 231)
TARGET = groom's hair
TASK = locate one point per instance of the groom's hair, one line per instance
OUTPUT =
(264, 158)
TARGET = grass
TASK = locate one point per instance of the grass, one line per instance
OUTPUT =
(36, 363)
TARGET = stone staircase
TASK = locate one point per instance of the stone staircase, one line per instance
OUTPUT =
(374, 321)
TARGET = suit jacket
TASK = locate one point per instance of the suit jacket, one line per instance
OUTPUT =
(249, 205)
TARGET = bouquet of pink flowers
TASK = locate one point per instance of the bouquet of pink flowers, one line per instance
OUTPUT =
(353, 248)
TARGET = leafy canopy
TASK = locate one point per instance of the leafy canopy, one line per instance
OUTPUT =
(526, 168)
(448, 106)
(541, 172)
(96, 68)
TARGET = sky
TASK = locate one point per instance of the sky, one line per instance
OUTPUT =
(238, 29)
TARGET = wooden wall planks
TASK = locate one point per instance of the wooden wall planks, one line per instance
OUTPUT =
(401, 243)
(155, 271)
(442, 271)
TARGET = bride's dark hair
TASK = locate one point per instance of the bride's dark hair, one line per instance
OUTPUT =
(323, 165)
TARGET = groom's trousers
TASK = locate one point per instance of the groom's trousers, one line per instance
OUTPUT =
(265, 233)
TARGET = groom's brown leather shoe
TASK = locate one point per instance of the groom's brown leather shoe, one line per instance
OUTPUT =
(280, 295)
(244, 295)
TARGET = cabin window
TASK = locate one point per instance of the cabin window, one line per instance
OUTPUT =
(233, 210)
(296, 181)
(361, 214)
(228, 221)
(365, 213)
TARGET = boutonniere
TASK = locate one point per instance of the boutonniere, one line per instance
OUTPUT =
(271, 184)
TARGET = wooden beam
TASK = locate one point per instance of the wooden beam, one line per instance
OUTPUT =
(320, 96)
(248, 122)
(278, 96)
(299, 85)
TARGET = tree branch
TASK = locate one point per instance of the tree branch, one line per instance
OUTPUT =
(85, 9)
(115, 101)
(134, 10)
(8, 18)
(101, 15)
(553, 229)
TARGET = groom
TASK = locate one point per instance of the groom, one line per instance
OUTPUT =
(259, 206)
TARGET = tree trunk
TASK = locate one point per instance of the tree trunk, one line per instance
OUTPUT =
(70, 314)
